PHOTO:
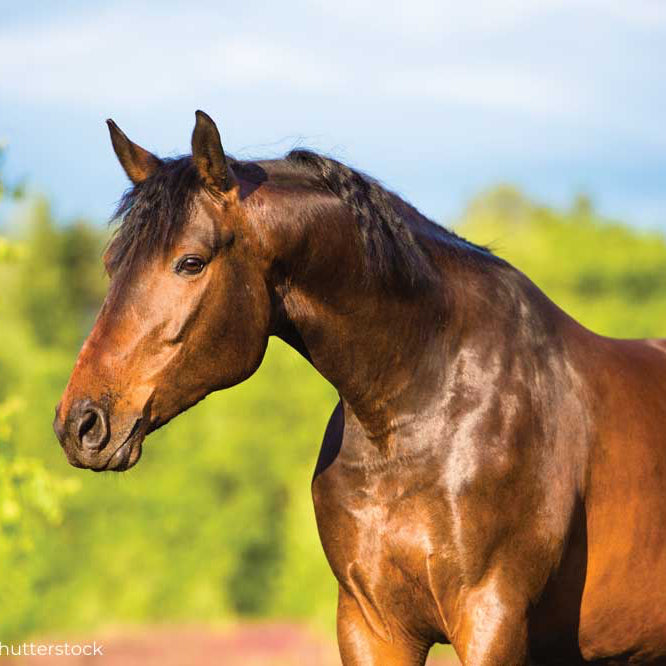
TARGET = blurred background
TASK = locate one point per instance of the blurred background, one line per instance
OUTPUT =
(538, 128)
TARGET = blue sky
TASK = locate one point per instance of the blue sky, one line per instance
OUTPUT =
(437, 99)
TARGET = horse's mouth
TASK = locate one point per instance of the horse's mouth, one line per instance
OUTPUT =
(125, 457)
(128, 453)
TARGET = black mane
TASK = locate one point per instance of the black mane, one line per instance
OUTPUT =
(393, 252)
(154, 212)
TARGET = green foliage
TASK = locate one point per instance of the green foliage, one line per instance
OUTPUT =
(30, 502)
(9, 252)
(217, 519)
(30, 496)
(60, 277)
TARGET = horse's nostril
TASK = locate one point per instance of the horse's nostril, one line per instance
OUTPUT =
(93, 428)
(87, 423)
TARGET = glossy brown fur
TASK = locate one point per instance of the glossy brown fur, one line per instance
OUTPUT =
(494, 474)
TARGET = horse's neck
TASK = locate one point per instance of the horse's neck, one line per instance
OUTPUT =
(387, 354)
(395, 360)
(371, 348)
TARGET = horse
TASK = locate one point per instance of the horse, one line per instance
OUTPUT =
(494, 474)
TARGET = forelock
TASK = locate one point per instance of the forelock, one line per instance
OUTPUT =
(153, 214)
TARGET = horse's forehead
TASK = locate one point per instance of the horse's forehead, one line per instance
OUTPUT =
(204, 221)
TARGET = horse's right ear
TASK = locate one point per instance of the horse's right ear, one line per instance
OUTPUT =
(137, 162)
(208, 155)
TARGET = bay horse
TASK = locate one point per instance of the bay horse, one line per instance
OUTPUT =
(494, 475)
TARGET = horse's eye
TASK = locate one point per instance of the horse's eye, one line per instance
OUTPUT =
(190, 265)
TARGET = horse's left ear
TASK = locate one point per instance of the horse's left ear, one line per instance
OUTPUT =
(208, 155)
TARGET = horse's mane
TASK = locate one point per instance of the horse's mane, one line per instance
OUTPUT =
(154, 212)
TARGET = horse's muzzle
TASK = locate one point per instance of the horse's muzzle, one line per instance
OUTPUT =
(86, 436)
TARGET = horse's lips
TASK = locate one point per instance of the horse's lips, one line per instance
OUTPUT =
(128, 453)
(123, 459)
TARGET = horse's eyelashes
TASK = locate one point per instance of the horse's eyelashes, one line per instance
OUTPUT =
(190, 265)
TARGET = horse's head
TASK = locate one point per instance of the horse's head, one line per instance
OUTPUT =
(187, 311)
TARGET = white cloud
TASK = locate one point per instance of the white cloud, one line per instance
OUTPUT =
(535, 81)
(441, 18)
(492, 87)
(648, 14)
(124, 56)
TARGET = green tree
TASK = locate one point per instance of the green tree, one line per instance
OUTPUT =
(61, 277)
(31, 502)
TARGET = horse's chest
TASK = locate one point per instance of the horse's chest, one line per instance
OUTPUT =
(380, 541)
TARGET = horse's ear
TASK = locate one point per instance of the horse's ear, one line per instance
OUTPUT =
(137, 162)
(208, 155)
